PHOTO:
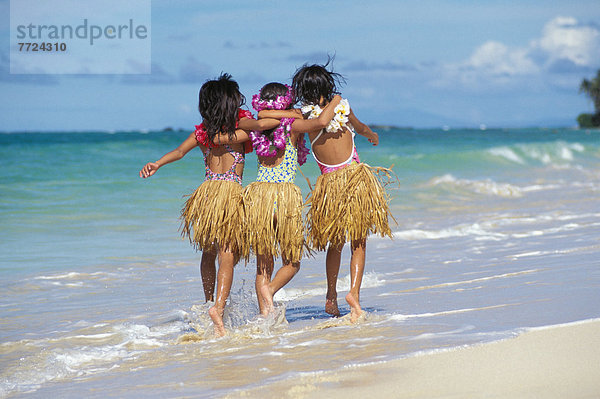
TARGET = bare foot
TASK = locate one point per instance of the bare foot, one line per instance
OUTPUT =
(355, 309)
(331, 307)
(267, 297)
(217, 318)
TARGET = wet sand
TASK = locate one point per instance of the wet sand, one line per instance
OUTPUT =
(555, 362)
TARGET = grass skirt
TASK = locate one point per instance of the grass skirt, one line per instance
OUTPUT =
(346, 205)
(213, 217)
(273, 214)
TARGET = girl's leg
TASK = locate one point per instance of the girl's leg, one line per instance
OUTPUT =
(357, 268)
(208, 272)
(332, 268)
(227, 261)
(283, 276)
(264, 270)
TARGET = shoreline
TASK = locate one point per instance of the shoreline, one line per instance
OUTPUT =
(558, 361)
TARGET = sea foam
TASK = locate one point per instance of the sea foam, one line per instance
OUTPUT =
(370, 280)
(485, 187)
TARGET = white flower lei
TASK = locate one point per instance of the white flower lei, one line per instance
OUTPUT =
(340, 115)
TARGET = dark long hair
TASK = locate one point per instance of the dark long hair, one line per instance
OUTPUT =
(218, 103)
(311, 82)
(270, 91)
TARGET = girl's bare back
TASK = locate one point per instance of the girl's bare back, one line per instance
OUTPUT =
(219, 160)
(332, 148)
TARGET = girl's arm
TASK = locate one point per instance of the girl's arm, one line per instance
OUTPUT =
(240, 136)
(151, 167)
(280, 113)
(363, 129)
(311, 125)
(262, 124)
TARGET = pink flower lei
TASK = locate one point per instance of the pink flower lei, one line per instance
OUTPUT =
(281, 102)
(267, 148)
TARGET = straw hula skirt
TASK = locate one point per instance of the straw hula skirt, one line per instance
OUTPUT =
(348, 204)
(213, 216)
(273, 216)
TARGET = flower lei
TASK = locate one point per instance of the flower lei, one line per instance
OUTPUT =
(340, 116)
(202, 134)
(267, 148)
(302, 150)
(264, 147)
(281, 102)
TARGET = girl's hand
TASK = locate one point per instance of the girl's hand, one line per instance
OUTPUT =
(149, 169)
(301, 125)
(374, 139)
(363, 130)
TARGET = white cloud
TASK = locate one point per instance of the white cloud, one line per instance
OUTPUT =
(565, 47)
(564, 38)
(498, 59)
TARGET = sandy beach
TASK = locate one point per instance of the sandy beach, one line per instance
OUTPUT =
(555, 362)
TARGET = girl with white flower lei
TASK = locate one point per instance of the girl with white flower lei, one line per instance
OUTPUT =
(273, 203)
(348, 202)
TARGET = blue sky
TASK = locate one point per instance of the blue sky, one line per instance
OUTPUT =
(407, 63)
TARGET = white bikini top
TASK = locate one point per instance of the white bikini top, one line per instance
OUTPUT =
(339, 121)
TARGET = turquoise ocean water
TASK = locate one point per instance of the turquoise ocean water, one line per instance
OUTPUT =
(498, 230)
